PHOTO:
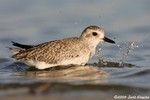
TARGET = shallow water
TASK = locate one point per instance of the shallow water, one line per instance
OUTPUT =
(125, 69)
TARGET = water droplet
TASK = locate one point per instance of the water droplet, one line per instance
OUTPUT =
(99, 55)
(130, 47)
(118, 45)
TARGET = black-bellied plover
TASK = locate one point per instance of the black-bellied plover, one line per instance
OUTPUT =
(68, 51)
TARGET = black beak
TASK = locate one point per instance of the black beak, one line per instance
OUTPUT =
(108, 40)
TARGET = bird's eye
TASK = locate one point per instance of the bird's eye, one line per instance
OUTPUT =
(94, 33)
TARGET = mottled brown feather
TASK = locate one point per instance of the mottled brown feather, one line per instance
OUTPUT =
(53, 52)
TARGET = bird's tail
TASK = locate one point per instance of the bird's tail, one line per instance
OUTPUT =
(22, 45)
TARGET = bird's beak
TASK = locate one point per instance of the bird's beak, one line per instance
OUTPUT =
(108, 40)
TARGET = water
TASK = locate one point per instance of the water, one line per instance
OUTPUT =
(120, 69)
(131, 47)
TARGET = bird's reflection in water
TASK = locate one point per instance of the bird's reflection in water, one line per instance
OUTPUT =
(74, 75)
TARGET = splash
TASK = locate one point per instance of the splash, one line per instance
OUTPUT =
(131, 47)
(100, 58)
(124, 50)
(99, 55)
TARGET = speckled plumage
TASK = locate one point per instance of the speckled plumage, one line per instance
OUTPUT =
(75, 50)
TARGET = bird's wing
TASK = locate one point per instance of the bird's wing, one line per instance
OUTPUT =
(50, 52)
(41, 52)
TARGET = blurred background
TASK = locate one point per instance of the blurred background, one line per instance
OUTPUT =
(125, 21)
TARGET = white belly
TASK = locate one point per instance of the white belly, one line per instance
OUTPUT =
(43, 65)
